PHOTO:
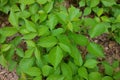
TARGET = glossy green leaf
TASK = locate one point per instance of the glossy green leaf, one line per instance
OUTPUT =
(49, 41)
(90, 63)
(98, 30)
(87, 11)
(13, 19)
(27, 2)
(66, 70)
(76, 54)
(65, 47)
(42, 1)
(48, 7)
(8, 31)
(46, 70)
(30, 36)
(79, 39)
(26, 63)
(5, 47)
(20, 52)
(82, 71)
(33, 71)
(95, 76)
(107, 78)
(95, 50)
(55, 56)
(108, 68)
(29, 53)
(94, 3)
(108, 3)
(82, 3)
(30, 26)
(43, 30)
(74, 13)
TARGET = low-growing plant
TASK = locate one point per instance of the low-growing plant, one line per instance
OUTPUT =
(43, 39)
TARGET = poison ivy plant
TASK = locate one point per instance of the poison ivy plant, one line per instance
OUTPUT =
(46, 40)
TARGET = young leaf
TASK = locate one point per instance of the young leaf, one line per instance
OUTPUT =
(82, 71)
(20, 52)
(90, 63)
(107, 78)
(26, 2)
(13, 19)
(29, 53)
(87, 11)
(66, 70)
(65, 47)
(49, 41)
(48, 7)
(82, 3)
(98, 30)
(5, 47)
(30, 26)
(30, 35)
(57, 31)
(42, 1)
(76, 54)
(43, 30)
(95, 76)
(55, 77)
(55, 56)
(108, 69)
(108, 3)
(26, 63)
(3, 61)
(38, 78)
(74, 13)
(95, 50)
(79, 39)
(33, 71)
(94, 3)
(46, 70)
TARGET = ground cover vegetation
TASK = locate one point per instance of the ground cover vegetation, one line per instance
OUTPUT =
(44, 39)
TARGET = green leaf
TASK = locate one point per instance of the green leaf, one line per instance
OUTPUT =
(19, 52)
(90, 63)
(82, 71)
(38, 78)
(29, 53)
(66, 70)
(95, 76)
(26, 63)
(49, 41)
(94, 3)
(46, 70)
(57, 31)
(55, 77)
(52, 21)
(30, 26)
(87, 11)
(30, 35)
(55, 56)
(42, 16)
(107, 78)
(42, 1)
(79, 39)
(13, 19)
(48, 7)
(108, 68)
(98, 11)
(37, 54)
(3, 61)
(33, 71)
(65, 47)
(43, 30)
(117, 75)
(108, 3)
(98, 30)
(34, 8)
(95, 50)
(30, 43)
(8, 31)
(5, 47)
(27, 2)
(74, 13)
(82, 3)
(76, 54)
